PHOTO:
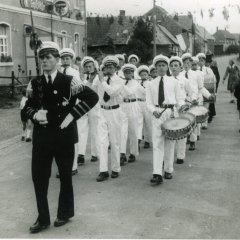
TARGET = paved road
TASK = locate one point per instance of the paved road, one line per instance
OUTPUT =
(201, 201)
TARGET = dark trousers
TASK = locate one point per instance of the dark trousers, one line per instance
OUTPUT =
(42, 157)
(212, 110)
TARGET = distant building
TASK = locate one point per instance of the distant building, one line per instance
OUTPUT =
(15, 28)
(223, 40)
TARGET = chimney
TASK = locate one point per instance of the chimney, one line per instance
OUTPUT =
(122, 13)
(217, 28)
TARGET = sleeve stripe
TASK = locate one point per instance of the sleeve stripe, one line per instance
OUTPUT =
(75, 109)
(86, 105)
(81, 107)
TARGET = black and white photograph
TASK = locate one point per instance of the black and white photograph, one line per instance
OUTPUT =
(119, 119)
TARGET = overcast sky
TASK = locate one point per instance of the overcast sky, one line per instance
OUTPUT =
(139, 7)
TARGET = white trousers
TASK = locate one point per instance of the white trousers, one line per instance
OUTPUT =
(130, 127)
(110, 132)
(193, 135)
(163, 149)
(145, 129)
(181, 148)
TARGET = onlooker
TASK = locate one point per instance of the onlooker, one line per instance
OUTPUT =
(232, 72)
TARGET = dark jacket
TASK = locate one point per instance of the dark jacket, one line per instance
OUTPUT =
(59, 100)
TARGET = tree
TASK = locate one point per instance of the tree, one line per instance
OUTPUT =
(141, 41)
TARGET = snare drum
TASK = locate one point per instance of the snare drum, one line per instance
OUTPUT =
(200, 112)
(176, 128)
(191, 117)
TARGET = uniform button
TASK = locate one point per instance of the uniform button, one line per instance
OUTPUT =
(59, 115)
(58, 104)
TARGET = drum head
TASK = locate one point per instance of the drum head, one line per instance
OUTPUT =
(176, 124)
(188, 116)
(198, 110)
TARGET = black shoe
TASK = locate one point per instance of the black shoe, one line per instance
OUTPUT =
(94, 159)
(60, 222)
(209, 119)
(74, 172)
(102, 176)
(80, 160)
(188, 140)
(114, 174)
(198, 138)
(131, 158)
(192, 146)
(180, 161)
(146, 145)
(22, 138)
(123, 159)
(168, 175)
(28, 139)
(204, 128)
(37, 227)
(156, 179)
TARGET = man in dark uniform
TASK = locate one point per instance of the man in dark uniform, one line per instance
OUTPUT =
(52, 108)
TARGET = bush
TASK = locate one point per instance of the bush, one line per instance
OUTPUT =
(232, 49)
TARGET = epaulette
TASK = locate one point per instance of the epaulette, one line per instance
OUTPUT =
(76, 89)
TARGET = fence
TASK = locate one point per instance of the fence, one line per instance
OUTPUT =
(16, 82)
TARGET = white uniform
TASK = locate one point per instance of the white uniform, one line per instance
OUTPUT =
(95, 119)
(163, 149)
(207, 73)
(111, 126)
(186, 93)
(82, 123)
(130, 109)
(145, 118)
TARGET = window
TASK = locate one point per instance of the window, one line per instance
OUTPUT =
(60, 42)
(4, 39)
(64, 39)
(79, 4)
(77, 43)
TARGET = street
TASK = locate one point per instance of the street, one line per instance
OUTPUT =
(201, 201)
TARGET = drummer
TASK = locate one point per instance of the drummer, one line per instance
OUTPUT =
(163, 98)
(196, 82)
(186, 91)
(208, 75)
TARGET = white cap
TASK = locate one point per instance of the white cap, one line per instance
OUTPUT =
(129, 66)
(195, 59)
(48, 46)
(160, 58)
(96, 64)
(87, 60)
(110, 60)
(201, 55)
(186, 56)
(101, 67)
(120, 57)
(176, 58)
(133, 56)
(67, 52)
(143, 68)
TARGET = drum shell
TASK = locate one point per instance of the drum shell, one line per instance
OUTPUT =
(177, 134)
(201, 118)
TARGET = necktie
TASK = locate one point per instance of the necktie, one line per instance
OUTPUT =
(161, 92)
(126, 82)
(49, 82)
(142, 83)
(88, 76)
(186, 75)
(64, 71)
(201, 68)
(106, 97)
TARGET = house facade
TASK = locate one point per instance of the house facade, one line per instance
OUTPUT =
(15, 29)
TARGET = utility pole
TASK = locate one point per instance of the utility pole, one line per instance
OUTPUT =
(85, 18)
(154, 28)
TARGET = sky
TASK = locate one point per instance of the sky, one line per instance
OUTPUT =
(139, 7)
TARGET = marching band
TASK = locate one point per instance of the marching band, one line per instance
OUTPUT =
(135, 103)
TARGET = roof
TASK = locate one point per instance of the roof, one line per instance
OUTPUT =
(100, 30)
(164, 37)
(166, 20)
(237, 37)
(221, 35)
(203, 33)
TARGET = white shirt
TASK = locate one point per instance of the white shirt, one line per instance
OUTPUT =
(185, 87)
(72, 72)
(53, 76)
(129, 91)
(172, 93)
(141, 93)
(113, 89)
